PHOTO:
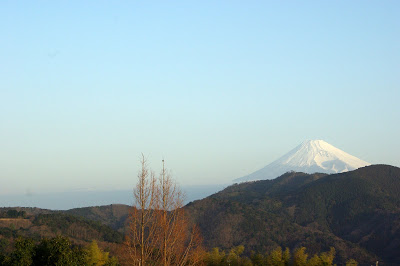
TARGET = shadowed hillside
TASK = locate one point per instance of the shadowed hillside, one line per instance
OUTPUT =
(357, 212)
(114, 215)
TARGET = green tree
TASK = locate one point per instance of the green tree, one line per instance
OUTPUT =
(113, 261)
(275, 257)
(328, 257)
(57, 251)
(12, 213)
(300, 257)
(234, 255)
(257, 259)
(3, 245)
(286, 256)
(95, 256)
(215, 257)
(98, 257)
(351, 262)
(23, 253)
(315, 261)
(246, 262)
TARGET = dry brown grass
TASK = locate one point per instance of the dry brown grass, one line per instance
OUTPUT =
(16, 222)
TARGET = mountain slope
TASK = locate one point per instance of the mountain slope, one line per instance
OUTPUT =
(114, 215)
(38, 223)
(357, 212)
(312, 156)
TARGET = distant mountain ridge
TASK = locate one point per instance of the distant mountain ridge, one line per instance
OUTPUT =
(312, 156)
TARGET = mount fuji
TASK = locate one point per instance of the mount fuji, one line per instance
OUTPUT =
(311, 156)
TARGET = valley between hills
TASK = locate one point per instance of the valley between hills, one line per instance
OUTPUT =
(356, 212)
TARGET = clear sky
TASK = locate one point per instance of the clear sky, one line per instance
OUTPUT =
(218, 89)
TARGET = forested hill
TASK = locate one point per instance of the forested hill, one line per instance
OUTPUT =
(357, 212)
(36, 224)
(114, 215)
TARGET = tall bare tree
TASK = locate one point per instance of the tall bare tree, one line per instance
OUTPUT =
(143, 235)
(159, 230)
(173, 225)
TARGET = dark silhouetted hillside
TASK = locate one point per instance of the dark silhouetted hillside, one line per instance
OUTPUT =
(357, 212)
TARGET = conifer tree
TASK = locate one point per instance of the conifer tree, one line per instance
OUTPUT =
(300, 257)
(328, 257)
(95, 256)
(351, 262)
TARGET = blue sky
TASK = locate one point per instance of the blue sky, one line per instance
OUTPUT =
(218, 89)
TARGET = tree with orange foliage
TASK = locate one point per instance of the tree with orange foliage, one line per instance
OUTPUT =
(159, 230)
(142, 236)
(179, 244)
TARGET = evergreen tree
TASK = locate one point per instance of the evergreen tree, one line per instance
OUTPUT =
(327, 257)
(300, 257)
(275, 257)
(215, 257)
(351, 262)
(95, 256)
(22, 254)
(286, 256)
(315, 261)
(57, 251)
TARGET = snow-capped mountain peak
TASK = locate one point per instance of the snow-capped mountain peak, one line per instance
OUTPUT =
(310, 157)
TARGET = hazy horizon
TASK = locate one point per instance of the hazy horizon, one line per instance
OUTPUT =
(78, 199)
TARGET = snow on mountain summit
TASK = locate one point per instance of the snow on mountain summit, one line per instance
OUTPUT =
(309, 157)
